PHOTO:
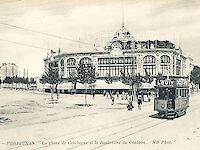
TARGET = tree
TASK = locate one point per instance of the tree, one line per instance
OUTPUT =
(42, 80)
(195, 75)
(51, 76)
(73, 78)
(7, 81)
(108, 79)
(16, 81)
(86, 74)
(132, 80)
(32, 81)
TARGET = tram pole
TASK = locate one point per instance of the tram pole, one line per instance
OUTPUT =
(133, 73)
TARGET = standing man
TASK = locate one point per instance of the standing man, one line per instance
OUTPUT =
(112, 98)
(139, 102)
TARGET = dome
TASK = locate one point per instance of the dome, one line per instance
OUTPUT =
(122, 40)
(123, 33)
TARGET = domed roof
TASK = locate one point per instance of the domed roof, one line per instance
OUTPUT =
(122, 37)
(123, 33)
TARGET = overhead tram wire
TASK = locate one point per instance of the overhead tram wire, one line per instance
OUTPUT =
(23, 44)
(47, 34)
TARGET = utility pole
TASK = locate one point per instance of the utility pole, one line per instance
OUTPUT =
(133, 73)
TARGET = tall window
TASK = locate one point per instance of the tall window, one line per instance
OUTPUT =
(115, 65)
(178, 67)
(62, 67)
(165, 65)
(149, 65)
(71, 65)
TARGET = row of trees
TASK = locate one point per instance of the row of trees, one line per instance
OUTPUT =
(18, 80)
(84, 74)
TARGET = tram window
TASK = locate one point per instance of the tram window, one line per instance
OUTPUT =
(181, 93)
(166, 93)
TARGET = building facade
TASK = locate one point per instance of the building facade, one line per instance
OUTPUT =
(124, 53)
(8, 70)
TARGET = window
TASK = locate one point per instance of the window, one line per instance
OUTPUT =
(165, 59)
(149, 59)
(166, 93)
(182, 93)
(178, 67)
(86, 60)
(149, 66)
(165, 65)
(71, 62)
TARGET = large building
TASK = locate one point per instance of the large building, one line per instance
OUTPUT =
(8, 70)
(152, 57)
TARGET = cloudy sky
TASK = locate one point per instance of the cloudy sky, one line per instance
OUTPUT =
(24, 24)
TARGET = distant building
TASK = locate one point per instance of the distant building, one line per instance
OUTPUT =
(8, 70)
(152, 57)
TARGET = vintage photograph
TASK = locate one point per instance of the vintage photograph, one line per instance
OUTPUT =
(99, 75)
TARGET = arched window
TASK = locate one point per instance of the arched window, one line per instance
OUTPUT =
(149, 66)
(71, 62)
(165, 65)
(71, 65)
(165, 59)
(62, 68)
(149, 59)
(86, 60)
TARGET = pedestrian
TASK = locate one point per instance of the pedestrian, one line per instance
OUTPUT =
(104, 93)
(126, 96)
(93, 94)
(112, 98)
(107, 94)
(130, 104)
(117, 93)
(122, 96)
(149, 96)
(139, 102)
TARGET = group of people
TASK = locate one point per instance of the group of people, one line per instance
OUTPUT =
(124, 96)
(111, 94)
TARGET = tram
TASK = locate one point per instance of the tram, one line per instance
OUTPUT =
(172, 98)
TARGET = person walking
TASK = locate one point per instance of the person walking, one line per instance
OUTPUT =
(126, 96)
(107, 95)
(122, 96)
(139, 102)
(93, 94)
(130, 104)
(117, 94)
(104, 93)
(112, 98)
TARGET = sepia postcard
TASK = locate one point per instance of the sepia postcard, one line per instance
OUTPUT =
(99, 75)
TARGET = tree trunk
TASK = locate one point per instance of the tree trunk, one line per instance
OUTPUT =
(51, 90)
(57, 93)
(85, 94)
(43, 88)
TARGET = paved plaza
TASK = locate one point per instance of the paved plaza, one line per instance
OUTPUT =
(30, 122)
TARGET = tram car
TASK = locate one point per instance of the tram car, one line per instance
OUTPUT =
(172, 98)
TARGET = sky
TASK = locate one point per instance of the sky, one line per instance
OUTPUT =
(29, 29)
